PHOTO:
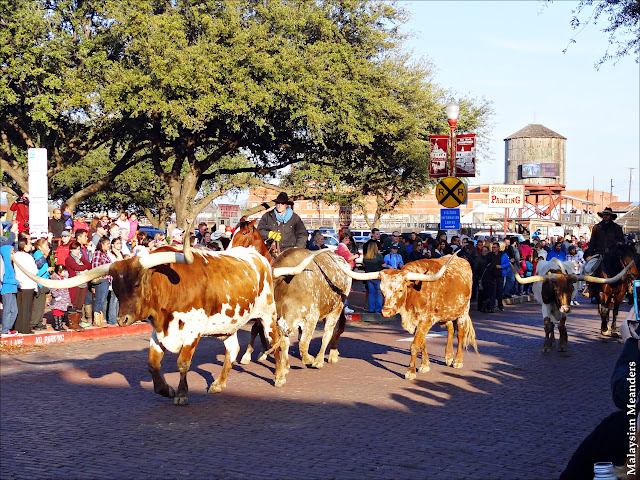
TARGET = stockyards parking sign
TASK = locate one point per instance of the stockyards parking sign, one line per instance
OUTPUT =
(506, 196)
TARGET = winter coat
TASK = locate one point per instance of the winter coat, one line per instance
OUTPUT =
(60, 297)
(9, 280)
(26, 260)
(605, 236)
(292, 233)
(41, 263)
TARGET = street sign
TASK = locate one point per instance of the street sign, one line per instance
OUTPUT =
(451, 192)
(449, 219)
(507, 196)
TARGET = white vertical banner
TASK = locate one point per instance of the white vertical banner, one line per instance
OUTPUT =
(38, 193)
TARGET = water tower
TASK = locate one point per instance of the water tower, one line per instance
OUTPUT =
(535, 155)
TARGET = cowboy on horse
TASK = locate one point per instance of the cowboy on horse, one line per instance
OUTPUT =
(281, 228)
(606, 257)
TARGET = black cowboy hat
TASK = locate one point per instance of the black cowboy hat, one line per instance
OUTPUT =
(608, 211)
(283, 198)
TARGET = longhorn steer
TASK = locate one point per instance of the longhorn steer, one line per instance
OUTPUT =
(188, 295)
(303, 300)
(422, 304)
(553, 290)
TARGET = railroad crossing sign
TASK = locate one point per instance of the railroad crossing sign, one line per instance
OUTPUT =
(451, 192)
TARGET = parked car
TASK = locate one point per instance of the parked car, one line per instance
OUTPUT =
(149, 230)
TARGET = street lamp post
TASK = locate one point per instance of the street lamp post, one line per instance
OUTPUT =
(452, 108)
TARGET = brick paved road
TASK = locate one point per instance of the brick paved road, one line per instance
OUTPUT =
(87, 410)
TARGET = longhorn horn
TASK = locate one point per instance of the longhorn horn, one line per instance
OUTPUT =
(540, 278)
(163, 258)
(283, 271)
(590, 279)
(356, 275)
(68, 282)
(423, 277)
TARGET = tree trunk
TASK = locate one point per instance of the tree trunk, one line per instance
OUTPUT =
(183, 192)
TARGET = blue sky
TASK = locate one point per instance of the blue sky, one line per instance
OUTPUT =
(511, 53)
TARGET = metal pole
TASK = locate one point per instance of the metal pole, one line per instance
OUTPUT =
(631, 169)
(453, 152)
(611, 193)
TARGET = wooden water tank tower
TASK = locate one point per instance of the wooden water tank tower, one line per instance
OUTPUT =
(535, 155)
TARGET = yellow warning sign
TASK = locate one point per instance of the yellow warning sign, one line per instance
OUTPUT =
(451, 192)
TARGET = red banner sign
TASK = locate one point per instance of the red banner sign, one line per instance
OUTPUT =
(466, 155)
(229, 211)
(438, 157)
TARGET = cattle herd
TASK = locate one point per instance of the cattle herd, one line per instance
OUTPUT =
(185, 296)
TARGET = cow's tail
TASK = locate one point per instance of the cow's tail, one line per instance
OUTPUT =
(470, 336)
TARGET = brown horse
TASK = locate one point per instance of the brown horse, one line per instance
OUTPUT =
(610, 296)
(320, 294)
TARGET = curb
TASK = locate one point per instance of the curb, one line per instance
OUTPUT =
(69, 336)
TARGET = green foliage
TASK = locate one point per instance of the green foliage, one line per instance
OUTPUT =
(622, 26)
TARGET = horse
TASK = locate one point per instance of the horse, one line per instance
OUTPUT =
(324, 278)
(610, 296)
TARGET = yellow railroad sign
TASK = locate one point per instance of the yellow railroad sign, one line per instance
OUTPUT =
(451, 192)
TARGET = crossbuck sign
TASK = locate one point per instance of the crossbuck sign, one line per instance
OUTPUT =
(506, 196)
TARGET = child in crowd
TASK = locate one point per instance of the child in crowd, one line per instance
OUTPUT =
(60, 299)
(528, 272)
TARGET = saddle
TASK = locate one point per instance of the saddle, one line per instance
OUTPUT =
(592, 265)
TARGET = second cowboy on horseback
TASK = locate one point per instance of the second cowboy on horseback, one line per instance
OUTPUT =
(605, 235)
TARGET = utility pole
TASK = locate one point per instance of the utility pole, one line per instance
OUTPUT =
(611, 193)
(631, 169)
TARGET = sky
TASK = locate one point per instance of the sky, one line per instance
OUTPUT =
(510, 52)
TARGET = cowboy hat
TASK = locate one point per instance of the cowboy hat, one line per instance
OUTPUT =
(283, 198)
(608, 211)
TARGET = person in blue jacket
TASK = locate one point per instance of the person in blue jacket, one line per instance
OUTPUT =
(8, 291)
(40, 254)
(557, 252)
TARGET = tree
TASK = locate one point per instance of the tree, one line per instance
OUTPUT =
(623, 29)
(52, 59)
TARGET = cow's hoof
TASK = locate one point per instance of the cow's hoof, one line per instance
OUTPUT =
(424, 368)
(318, 364)
(333, 356)
(307, 359)
(410, 375)
(562, 348)
(181, 401)
(546, 349)
(605, 332)
(171, 393)
(246, 359)
(280, 382)
(215, 388)
(448, 361)
(457, 364)
(262, 357)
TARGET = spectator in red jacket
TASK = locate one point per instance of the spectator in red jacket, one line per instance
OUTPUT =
(21, 207)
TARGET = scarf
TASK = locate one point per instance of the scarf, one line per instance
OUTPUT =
(286, 217)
